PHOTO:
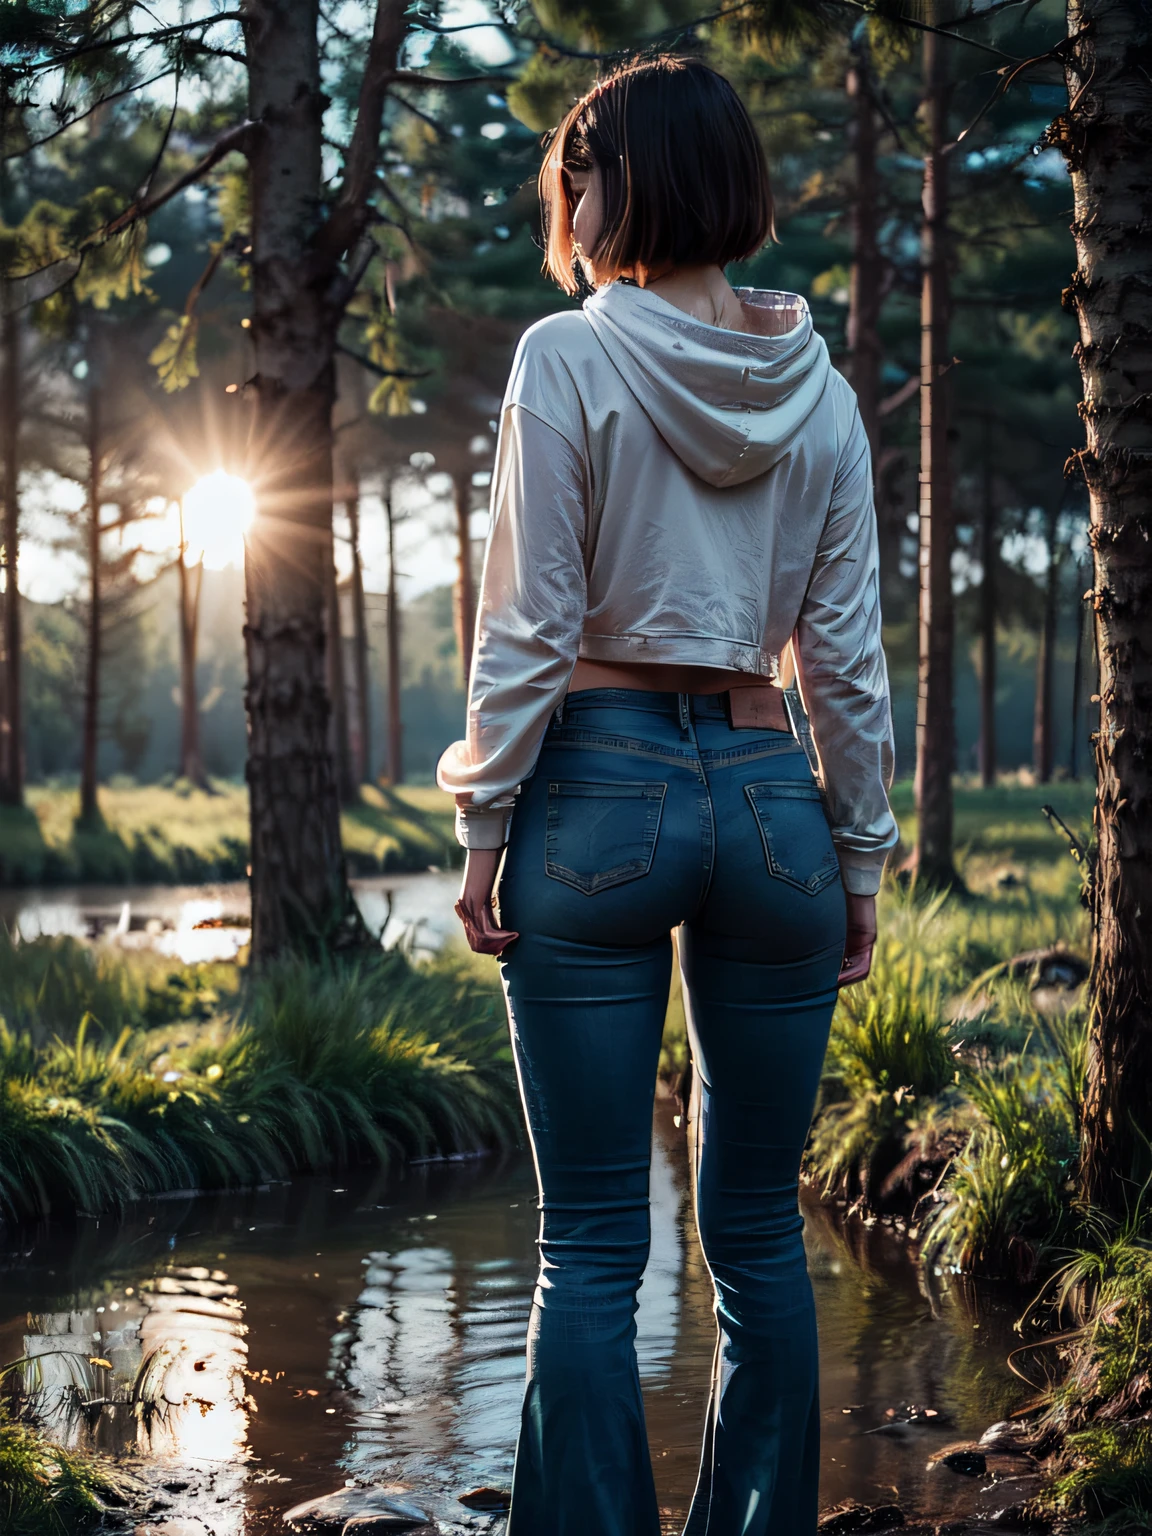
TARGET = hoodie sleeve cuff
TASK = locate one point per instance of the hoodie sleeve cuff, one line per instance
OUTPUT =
(483, 827)
(861, 872)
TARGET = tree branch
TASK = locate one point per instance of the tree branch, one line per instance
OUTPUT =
(381, 372)
(235, 139)
(162, 34)
(14, 154)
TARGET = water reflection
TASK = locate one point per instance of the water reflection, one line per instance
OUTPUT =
(299, 1337)
(201, 923)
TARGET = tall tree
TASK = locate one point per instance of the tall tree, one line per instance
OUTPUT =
(989, 561)
(1105, 135)
(395, 673)
(190, 578)
(866, 284)
(1043, 725)
(12, 726)
(935, 727)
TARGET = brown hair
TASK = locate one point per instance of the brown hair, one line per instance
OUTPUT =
(685, 178)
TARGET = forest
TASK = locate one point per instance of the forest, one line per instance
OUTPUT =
(263, 269)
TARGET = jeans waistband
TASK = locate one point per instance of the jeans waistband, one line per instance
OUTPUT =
(673, 706)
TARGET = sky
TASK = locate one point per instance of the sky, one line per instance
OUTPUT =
(51, 570)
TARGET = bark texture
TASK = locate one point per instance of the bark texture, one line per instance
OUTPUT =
(12, 737)
(300, 894)
(935, 728)
(1105, 136)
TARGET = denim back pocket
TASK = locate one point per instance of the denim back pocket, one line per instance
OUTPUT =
(795, 833)
(601, 834)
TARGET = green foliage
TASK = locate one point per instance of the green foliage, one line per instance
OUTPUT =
(45, 1490)
(1099, 1410)
(1009, 1189)
(174, 356)
(889, 1053)
(309, 1067)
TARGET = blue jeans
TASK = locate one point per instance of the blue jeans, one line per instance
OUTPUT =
(649, 812)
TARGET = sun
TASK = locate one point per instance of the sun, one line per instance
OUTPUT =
(218, 512)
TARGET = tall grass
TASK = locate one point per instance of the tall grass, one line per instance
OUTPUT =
(309, 1067)
(1099, 1409)
(47, 1491)
(946, 1095)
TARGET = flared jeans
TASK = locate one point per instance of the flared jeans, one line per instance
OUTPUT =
(649, 812)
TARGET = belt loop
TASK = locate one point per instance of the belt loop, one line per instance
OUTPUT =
(684, 713)
(558, 712)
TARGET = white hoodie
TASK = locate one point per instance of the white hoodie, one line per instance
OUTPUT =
(668, 491)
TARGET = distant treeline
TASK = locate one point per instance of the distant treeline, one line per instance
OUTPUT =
(141, 715)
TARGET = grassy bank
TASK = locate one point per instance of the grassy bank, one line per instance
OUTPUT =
(48, 1491)
(178, 834)
(135, 1079)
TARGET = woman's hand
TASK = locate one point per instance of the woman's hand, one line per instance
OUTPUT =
(860, 938)
(474, 909)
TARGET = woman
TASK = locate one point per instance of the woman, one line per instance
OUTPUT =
(681, 500)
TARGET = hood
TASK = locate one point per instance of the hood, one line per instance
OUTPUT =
(728, 403)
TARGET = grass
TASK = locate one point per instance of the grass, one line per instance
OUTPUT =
(1096, 1412)
(303, 1068)
(182, 835)
(45, 1490)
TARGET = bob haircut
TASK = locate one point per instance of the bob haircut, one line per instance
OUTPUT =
(684, 175)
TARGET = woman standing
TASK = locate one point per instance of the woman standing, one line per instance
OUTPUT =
(681, 500)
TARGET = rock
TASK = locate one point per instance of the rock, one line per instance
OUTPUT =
(492, 1501)
(359, 1512)
(1006, 1436)
(850, 1518)
(967, 1461)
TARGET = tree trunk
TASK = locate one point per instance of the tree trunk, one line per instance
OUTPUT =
(300, 894)
(395, 722)
(989, 560)
(12, 742)
(338, 693)
(191, 582)
(935, 729)
(1105, 136)
(90, 745)
(363, 754)
(865, 292)
(465, 585)
(1042, 733)
(1077, 680)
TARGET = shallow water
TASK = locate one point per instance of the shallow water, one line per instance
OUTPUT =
(197, 923)
(371, 1328)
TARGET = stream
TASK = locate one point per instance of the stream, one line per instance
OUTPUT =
(291, 1339)
(247, 1352)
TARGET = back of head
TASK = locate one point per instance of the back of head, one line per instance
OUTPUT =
(685, 182)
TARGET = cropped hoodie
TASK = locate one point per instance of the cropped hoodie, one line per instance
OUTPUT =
(668, 491)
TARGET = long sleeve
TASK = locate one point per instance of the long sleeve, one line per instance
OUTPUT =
(843, 674)
(530, 616)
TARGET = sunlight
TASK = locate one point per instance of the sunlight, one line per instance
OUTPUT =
(218, 512)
